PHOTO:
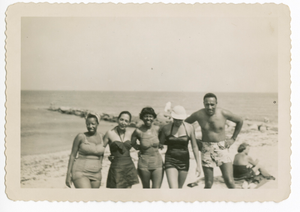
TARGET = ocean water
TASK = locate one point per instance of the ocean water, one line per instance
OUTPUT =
(44, 131)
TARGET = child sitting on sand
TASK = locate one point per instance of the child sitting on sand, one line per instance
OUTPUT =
(244, 167)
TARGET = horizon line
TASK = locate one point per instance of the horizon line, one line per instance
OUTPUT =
(153, 91)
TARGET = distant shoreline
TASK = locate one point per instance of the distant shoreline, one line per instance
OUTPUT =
(201, 92)
(249, 128)
(44, 131)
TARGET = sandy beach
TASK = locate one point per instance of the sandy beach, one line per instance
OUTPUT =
(49, 170)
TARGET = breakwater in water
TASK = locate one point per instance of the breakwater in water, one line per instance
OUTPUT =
(161, 119)
(165, 118)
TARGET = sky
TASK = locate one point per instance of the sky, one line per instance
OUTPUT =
(193, 54)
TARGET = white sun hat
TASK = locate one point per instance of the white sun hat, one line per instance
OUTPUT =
(178, 112)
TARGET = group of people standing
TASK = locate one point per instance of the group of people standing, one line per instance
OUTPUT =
(85, 163)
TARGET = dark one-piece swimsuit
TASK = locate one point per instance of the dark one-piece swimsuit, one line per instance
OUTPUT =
(177, 155)
(122, 172)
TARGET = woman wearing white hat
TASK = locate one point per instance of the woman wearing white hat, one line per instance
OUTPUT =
(176, 136)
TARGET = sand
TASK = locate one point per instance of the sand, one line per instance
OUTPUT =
(49, 170)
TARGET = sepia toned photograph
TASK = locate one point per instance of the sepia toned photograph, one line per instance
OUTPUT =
(142, 99)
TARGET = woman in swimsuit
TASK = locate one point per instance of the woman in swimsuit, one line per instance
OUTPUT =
(85, 170)
(176, 136)
(244, 167)
(150, 165)
(122, 172)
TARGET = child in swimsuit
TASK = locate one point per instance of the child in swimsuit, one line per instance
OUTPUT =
(150, 165)
(176, 136)
(122, 172)
(85, 170)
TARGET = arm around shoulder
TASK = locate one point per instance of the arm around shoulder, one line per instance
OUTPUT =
(134, 137)
(190, 128)
(162, 135)
(106, 138)
(158, 128)
(192, 118)
(101, 136)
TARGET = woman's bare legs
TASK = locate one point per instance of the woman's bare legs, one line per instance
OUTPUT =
(262, 170)
(181, 178)
(145, 176)
(95, 183)
(83, 182)
(172, 176)
(157, 177)
(176, 178)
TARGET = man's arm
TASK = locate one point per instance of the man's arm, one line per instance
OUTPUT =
(192, 118)
(236, 119)
(239, 123)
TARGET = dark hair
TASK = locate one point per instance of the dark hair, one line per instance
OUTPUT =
(90, 115)
(209, 95)
(147, 110)
(125, 112)
(242, 147)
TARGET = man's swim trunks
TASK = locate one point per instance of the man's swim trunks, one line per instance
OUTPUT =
(214, 154)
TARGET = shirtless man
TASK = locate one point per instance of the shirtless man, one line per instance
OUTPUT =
(214, 148)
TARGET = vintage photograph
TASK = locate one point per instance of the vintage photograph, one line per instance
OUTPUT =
(175, 99)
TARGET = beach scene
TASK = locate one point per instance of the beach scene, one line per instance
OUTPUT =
(73, 65)
(47, 136)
